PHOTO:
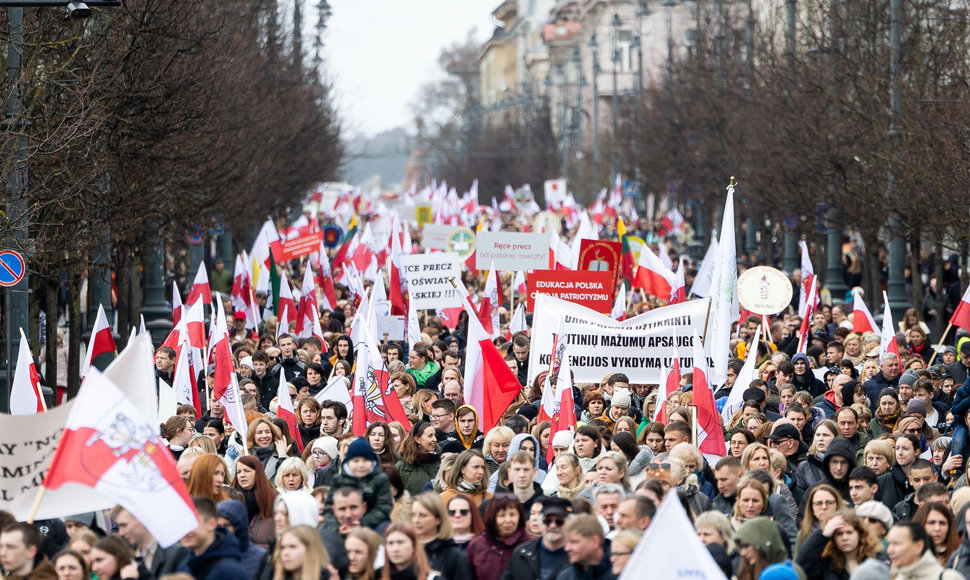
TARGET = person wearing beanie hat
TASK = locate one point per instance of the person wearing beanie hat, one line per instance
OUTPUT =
(781, 571)
(324, 455)
(878, 516)
(888, 376)
(871, 569)
(916, 407)
(619, 407)
(958, 368)
(361, 470)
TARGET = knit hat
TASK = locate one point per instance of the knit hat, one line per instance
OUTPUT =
(247, 362)
(916, 406)
(621, 398)
(908, 378)
(326, 444)
(950, 349)
(875, 510)
(562, 439)
(871, 569)
(360, 448)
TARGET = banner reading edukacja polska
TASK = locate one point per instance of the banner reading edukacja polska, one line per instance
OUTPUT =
(638, 347)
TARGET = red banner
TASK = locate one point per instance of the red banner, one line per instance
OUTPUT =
(301, 246)
(589, 288)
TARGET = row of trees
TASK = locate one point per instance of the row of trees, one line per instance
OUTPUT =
(806, 128)
(145, 121)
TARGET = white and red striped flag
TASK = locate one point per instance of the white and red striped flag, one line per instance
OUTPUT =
(619, 305)
(177, 306)
(652, 276)
(225, 386)
(961, 316)
(888, 338)
(806, 299)
(286, 411)
(101, 341)
(200, 287)
(862, 321)
(710, 434)
(26, 397)
(678, 292)
(286, 304)
(491, 301)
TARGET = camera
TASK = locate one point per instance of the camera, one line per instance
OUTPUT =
(78, 10)
(945, 428)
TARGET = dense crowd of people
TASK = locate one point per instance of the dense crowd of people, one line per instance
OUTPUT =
(844, 461)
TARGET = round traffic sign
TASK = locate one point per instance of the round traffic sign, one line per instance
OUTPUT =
(12, 268)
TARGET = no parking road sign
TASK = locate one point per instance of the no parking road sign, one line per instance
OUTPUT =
(12, 268)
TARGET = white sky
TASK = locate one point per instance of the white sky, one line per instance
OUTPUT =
(378, 52)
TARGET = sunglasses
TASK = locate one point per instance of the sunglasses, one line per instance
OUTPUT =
(656, 466)
(553, 521)
(461, 512)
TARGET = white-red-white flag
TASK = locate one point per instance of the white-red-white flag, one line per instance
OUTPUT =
(808, 274)
(101, 341)
(286, 304)
(200, 287)
(110, 447)
(26, 397)
(803, 332)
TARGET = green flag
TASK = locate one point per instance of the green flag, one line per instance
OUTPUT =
(274, 282)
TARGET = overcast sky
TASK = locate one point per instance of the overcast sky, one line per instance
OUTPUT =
(378, 52)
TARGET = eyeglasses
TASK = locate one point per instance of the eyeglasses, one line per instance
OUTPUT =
(462, 512)
(618, 554)
(558, 522)
(318, 453)
(433, 416)
(777, 442)
(823, 503)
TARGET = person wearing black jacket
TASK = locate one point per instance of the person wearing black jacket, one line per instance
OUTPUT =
(895, 485)
(838, 463)
(804, 379)
(587, 560)
(433, 528)
(290, 364)
(545, 557)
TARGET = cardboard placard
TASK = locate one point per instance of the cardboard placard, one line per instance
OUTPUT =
(435, 236)
(512, 251)
(593, 290)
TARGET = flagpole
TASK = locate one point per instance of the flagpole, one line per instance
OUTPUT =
(36, 507)
(706, 319)
(935, 350)
(40, 395)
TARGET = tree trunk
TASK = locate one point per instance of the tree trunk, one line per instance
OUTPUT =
(940, 306)
(123, 298)
(135, 290)
(916, 275)
(50, 354)
(74, 339)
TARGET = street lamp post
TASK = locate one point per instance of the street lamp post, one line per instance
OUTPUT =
(897, 247)
(563, 130)
(614, 151)
(594, 46)
(578, 112)
(323, 13)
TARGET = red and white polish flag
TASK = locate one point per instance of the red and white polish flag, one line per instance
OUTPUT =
(286, 411)
(200, 287)
(961, 316)
(101, 340)
(651, 275)
(109, 446)
(26, 398)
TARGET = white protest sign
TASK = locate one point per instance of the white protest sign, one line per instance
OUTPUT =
(512, 251)
(429, 280)
(638, 347)
(435, 236)
(28, 442)
(392, 326)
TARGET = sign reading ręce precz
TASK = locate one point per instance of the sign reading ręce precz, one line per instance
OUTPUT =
(512, 251)
(429, 280)
(591, 289)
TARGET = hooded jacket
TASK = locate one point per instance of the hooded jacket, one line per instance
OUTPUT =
(844, 448)
(250, 554)
(220, 561)
(894, 486)
(807, 382)
(478, 439)
(515, 446)
(764, 535)
(445, 557)
(375, 487)
(809, 472)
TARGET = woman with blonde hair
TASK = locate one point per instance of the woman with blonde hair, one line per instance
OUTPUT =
(431, 523)
(421, 405)
(267, 443)
(713, 527)
(362, 545)
(569, 474)
(292, 475)
(751, 502)
(496, 446)
(300, 555)
(756, 456)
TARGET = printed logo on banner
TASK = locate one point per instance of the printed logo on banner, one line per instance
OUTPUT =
(600, 256)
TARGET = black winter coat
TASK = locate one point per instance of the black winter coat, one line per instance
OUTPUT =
(524, 564)
(446, 558)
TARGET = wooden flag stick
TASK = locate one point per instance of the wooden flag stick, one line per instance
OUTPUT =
(36, 507)
(942, 338)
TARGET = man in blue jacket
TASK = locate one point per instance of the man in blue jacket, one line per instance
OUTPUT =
(213, 550)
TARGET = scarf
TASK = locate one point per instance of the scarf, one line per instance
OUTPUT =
(888, 422)
(422, 376)
(570, 492)
(467, 488)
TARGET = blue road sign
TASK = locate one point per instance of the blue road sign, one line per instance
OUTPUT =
(12, 268)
